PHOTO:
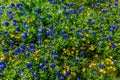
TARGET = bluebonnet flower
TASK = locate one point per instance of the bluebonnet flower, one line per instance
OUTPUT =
(86, 30)
(17, 28)
(24, 34)
(114, 46)
(110, 38)
(55, 57)
(101, 27)
(49, 16)
(11, 42)
(21, 70)
(104, 11)
(76, 60)
(3, 7)
(21, 8)
(16, 51)
(50, 1)
(9, 12)
(80, 30)
(78, 79)
(55, 1)
(10, 18)
(58, 72)
(32, 46)
(73, 28)
(61, 78)
(38, 10)
(39, 43)
(62, 32)
(40, 66)
(54, 36)
(101, 19)
(104, 35)
(107, 0)
(81, 9)
(45, 61)
(37, 25)
(91, 7)
(82, 53)
(116, 4)
(52, 65)
(94, 33)
(34, 75)
(2, 65)
(26, 26)
(12, 5)
(64, 36)
(49, 33)
(0, 12)
(92, 22)
(112, 28)
(115, 61)
(18, 5)
(89, 21)
(101, 66)
(62, 0)
(24, 22)
(53, 52)
(27, 55)
(45, 68)
(51, 28)
(29, 65)
(40, 18)
(39, 36)
(67, 73)
(1, 74)
(6, 24)
(81, 36)
(116, 21)
(41, 52)
(43, 30)
(32, 50)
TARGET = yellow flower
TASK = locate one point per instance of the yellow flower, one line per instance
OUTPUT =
(12, 35)
(83, 39)
(83, 69)
(64, 72)
(66, 67)
(71, 17)
(102, 62)
(114, 68)
(91, 48)
(0, 1)
(110, 57)
(92, 65)
(68, 78)
(102, 71)
(111, 62)
(35, 58)
(73, 74)
(66, 27)
(37, 51)
(88, 42)
(96, 55)
(107, 47)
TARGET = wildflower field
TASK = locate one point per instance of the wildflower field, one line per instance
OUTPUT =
(59, 40)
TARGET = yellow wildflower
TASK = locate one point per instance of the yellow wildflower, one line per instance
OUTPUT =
(83, 69)
(102, 71)
(64, 72)
(35, 58)
(73, 74)
(91, 48)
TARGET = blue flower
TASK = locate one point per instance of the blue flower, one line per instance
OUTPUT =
(67, 73)
(86, 30)
(55, 57)
(54, 36)
(41, 52)
(52, 65)
(39, 43)
(0, 12)
(101, 27)
(104, 35)
(29, 65)
(11, 42)
(116, 21)
(6, 24)
(115, 61)
(112, 28)
(104, 11)
(34, 75)
(38, 10)
(91, 7)
(49, 16)
(39, 36)
(16, 51)
(45, 61)
(61, 78)
(40, 66)
(53, 52)
(64, 36)
(21, 70)
(24, 34)
(114, 45)
(101, 19)
(94, 32)
(17, 28)
(81, 9)
(49, 33)
(76, 60)
(82, 53)
(27, 55)
(18, 5)
(2, 65)
(1, 74)
(110, 38)
(58, 72)
(80, 29)
(101, 66)
(81, 36)
(50, 1)
(12, 5)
